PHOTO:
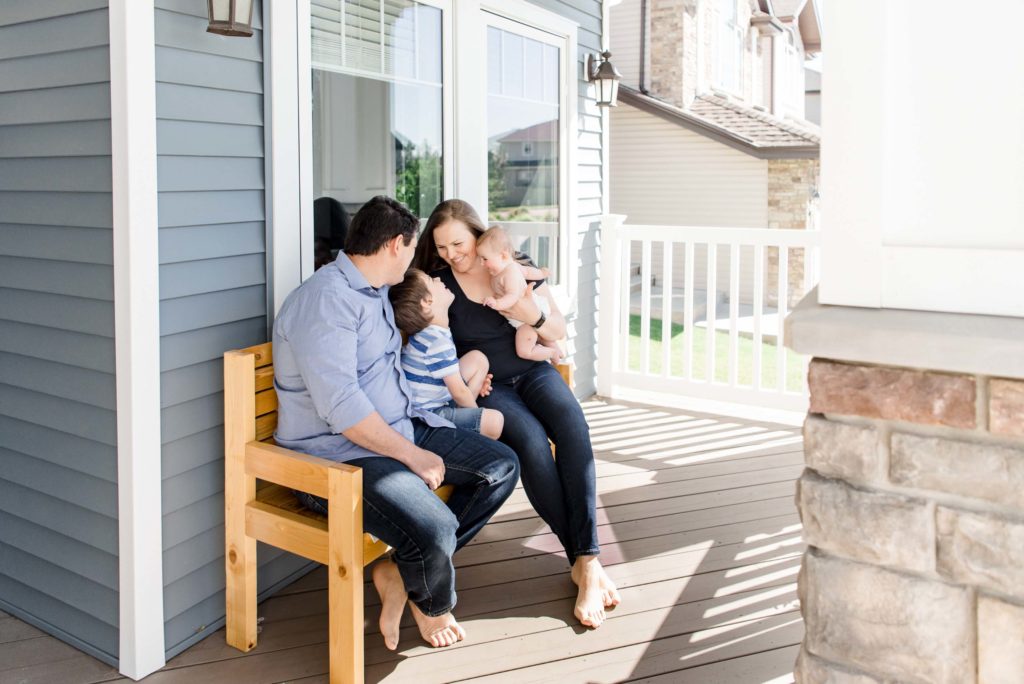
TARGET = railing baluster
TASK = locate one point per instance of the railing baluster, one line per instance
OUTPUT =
(667, 247)
(734, 311)
(711, 311)
(688, 312)
(780, 349)
(626, 247)
(758, 307)
(645, 307)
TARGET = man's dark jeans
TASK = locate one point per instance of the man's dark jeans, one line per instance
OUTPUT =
(399, 509)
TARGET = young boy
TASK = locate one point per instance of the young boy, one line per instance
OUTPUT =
(508, 280)
(440, 381)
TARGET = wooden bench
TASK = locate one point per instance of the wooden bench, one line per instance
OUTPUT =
(259, 505)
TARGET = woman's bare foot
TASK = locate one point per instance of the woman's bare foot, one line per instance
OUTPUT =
(438, 631)
(596, 591)
(392, 600)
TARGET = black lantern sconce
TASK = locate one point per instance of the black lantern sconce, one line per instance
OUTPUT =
(230, 17)
(607, 78)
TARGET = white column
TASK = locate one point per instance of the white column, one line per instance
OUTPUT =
(137, 335)
(921, 150)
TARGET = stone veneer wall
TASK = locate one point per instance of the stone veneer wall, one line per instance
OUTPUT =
(913, 512)
(673, 45)
(791, 182)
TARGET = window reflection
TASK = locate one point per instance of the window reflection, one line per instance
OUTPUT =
(523, 142)
(377, 110)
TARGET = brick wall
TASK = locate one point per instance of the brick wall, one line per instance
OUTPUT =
(913, 511)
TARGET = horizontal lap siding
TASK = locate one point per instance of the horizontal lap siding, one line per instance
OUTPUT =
(664, 174)
(582, 326)
(209, 96)
(58, 485)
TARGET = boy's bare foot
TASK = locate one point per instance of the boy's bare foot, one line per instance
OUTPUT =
(596, 591)
(389, 585)
(438, 631)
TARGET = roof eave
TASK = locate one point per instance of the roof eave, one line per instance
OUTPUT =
(716, 133)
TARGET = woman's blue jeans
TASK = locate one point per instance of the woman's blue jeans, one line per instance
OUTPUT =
(538, 405)
(424, 531)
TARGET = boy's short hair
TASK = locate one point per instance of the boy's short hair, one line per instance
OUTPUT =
(407, 301)
(496, 237)
(376, 222)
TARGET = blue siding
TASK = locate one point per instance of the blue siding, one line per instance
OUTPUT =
(213, 295)
(58, 489)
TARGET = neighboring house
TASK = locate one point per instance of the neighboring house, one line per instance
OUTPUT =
(710, 128)
(156, 193)
(812, 95)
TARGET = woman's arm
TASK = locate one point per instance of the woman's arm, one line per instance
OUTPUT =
(526, 310)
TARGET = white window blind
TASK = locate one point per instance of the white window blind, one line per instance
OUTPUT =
(391, 39)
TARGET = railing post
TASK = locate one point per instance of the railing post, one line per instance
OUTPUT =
(609, 303)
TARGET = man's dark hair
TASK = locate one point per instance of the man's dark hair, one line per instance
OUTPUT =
(407, 299)
(378, 221)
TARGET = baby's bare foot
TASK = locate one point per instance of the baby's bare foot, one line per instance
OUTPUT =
(438, 631)
(389, 585)
(591, 598)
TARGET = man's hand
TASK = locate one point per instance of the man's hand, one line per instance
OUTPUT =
(428, 466)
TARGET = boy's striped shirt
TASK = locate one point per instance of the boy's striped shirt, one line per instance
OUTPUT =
(427, 359)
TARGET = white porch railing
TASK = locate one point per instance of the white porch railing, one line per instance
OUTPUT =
(699, 312)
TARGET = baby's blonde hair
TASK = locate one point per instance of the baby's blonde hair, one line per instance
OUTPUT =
(496, 237)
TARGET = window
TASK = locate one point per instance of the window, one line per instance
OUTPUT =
(377, 110)
(525, 138)
(728, 52)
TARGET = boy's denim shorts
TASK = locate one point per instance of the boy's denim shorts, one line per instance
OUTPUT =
(465, 418)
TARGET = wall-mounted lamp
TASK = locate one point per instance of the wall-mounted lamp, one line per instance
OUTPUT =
(607, 78)
(230, 17)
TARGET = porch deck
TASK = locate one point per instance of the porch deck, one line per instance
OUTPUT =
(698, 529)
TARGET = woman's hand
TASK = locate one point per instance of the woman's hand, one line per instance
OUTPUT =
(525, 310)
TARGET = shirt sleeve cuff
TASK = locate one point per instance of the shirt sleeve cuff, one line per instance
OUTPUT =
(349, 412)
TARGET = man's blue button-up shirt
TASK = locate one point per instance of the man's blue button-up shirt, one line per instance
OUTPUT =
(336, 361)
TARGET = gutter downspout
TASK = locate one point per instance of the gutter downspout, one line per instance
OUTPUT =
(643, 47)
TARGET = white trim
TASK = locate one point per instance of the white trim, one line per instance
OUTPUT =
(289, 259)
(137, 335)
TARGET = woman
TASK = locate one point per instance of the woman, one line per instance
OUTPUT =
(534, 399)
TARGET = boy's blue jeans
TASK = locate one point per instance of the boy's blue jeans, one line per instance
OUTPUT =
(424, 531)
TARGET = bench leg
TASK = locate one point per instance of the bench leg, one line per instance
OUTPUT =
(239, 564)
(345, 575)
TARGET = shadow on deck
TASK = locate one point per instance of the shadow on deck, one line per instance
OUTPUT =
(697, 526)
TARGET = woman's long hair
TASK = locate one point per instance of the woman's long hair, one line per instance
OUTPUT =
(427, 258)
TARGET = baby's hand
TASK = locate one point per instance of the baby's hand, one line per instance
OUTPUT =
(490, 302)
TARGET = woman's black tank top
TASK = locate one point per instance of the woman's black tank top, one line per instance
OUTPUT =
(474, 326)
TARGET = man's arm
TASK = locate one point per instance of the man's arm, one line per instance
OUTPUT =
(374, 434)
(325, 351)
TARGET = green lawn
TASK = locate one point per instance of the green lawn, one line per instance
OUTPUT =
(745, 350)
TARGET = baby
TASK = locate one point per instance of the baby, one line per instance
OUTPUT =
(439, 380)
(508, 280)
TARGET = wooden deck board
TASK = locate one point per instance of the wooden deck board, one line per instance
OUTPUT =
(698, 529)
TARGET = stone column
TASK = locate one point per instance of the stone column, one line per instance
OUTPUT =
(913, 497)
(673, 49)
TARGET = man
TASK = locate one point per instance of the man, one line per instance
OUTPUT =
(342, 395)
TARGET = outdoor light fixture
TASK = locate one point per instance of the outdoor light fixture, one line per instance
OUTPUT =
(230, 17)
(607, 78)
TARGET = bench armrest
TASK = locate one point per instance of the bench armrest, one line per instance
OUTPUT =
(291, 469)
